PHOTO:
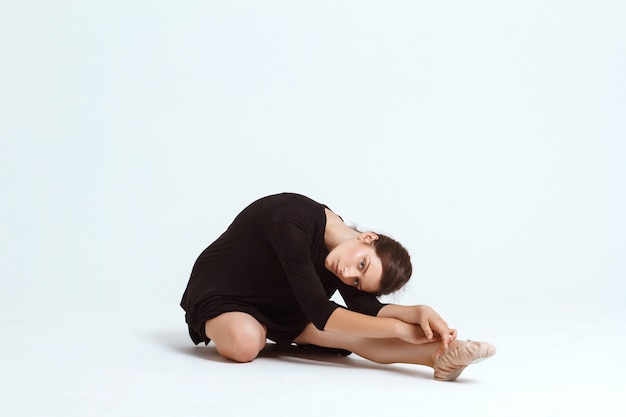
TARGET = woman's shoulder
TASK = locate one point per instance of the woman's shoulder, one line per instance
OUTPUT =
(288, 201)
(290, 196)
(289, 207)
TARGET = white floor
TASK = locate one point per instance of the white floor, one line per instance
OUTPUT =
(568, 364)
(486, 136)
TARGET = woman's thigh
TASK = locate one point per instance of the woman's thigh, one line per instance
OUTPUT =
(237, 335)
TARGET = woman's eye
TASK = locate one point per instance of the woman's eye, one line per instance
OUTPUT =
(356, 282)
(362, 264)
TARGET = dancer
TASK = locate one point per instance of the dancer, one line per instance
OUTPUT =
(271, 274)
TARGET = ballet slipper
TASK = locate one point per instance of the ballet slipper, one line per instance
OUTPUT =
(449, 365)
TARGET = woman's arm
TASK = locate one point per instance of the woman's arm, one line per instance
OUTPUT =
(361, 325)
(423, 315)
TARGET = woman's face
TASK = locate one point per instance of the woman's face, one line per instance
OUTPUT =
(356, 264)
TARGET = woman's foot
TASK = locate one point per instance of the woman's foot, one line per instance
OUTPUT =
(449, 365)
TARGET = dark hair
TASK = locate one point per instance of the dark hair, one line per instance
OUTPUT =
(396, 263)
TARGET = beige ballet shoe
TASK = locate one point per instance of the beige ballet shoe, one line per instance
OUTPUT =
(449, 365)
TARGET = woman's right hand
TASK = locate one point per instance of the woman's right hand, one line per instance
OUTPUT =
(413, 333)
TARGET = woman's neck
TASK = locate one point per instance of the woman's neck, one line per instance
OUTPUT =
(336, 231)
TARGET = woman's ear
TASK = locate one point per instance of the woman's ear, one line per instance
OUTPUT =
(368, 237)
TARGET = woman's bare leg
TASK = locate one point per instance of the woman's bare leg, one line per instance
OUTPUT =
(240, 337)
(237, 336)
(376, 350)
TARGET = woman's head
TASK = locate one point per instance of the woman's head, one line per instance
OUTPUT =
(371, 262)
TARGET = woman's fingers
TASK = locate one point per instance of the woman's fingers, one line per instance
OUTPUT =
(453, 334)
(419, 336)
(423, 339)
(441, 327)
(425, 325)
(435, 328)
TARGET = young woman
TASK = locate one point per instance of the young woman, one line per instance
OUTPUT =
(272, 273)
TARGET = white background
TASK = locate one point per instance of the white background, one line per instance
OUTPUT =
(487, 136)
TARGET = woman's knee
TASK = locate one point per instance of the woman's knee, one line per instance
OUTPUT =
(242, 346)
(238, 336)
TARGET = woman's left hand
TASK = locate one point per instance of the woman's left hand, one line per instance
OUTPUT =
(432, 323)
(434, 327)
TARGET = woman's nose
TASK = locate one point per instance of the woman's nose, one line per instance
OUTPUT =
(350, 272)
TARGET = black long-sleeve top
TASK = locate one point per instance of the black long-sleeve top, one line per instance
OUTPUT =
(271, 259)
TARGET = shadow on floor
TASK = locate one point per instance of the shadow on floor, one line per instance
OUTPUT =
(179, 342)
